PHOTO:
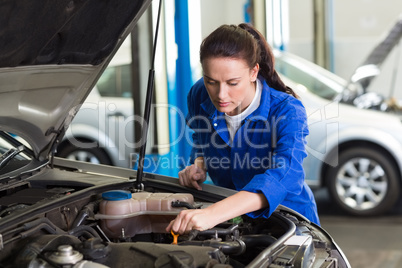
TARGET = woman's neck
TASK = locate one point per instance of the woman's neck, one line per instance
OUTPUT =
(246, 102)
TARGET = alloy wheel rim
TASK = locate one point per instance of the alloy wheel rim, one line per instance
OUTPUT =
(83, 156)
(361, 183)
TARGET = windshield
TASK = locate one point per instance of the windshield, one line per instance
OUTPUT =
(316, 79)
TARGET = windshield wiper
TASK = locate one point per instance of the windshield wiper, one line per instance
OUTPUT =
(9, 155)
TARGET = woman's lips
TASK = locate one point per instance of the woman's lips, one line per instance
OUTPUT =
(223, 104)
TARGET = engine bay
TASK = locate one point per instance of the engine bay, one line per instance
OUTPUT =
(67, 224)
(55, 240)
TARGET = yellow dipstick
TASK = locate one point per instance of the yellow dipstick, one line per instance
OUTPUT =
(175, 237)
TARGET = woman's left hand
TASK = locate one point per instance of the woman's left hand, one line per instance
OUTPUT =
(191, 219)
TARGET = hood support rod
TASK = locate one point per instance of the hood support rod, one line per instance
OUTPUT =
(150, 88)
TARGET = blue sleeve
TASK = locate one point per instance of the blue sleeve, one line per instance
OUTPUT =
(286, 177)
(193, 104)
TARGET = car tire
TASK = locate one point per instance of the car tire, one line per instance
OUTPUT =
(92, 155)
(364, 183)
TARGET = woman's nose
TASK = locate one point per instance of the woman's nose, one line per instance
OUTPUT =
(223, 92)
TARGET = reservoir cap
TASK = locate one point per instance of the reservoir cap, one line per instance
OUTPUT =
(116, 195)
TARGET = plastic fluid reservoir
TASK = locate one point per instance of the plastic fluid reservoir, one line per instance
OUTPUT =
(119, 203)
(152, 203)
(138, 213)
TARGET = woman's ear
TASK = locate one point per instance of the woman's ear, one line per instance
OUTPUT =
(254, 72)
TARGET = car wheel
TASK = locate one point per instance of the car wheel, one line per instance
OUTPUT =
(365, 183)
(92, 155)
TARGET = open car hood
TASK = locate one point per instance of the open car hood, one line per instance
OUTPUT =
(52, 54)
(370, 68)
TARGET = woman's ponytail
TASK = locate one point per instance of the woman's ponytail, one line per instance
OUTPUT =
(267, 61)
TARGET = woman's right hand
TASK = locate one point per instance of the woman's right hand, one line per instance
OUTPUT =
(193, 176)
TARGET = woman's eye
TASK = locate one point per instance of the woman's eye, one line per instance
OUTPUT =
(232, 84)
(211, 82)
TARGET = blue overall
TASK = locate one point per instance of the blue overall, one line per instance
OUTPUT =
(266, 154)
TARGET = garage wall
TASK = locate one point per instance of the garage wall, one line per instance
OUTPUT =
(301, 30)
(217, 12)
(356, 28)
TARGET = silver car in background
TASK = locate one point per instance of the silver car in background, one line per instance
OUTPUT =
(355, 141)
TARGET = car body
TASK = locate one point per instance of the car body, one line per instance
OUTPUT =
(355, 142)
(102, 131)
(57, 212)
(97, 129)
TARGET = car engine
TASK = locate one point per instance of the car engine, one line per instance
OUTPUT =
(102, 227)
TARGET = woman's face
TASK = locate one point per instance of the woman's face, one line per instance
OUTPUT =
(230, 83)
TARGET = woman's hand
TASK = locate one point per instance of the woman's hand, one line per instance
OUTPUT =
(194, 175)
(191, 219)
(203, 219)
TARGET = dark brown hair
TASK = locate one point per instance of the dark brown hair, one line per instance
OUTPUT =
(246, 43)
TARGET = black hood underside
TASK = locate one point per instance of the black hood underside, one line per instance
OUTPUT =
(36, 32)
(52, 54)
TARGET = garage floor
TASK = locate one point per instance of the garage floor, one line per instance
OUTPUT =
(366, 242)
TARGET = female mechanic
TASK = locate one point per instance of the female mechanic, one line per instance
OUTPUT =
(249, 133)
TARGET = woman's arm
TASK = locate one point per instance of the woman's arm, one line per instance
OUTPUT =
(226, 209)
(284, 179)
